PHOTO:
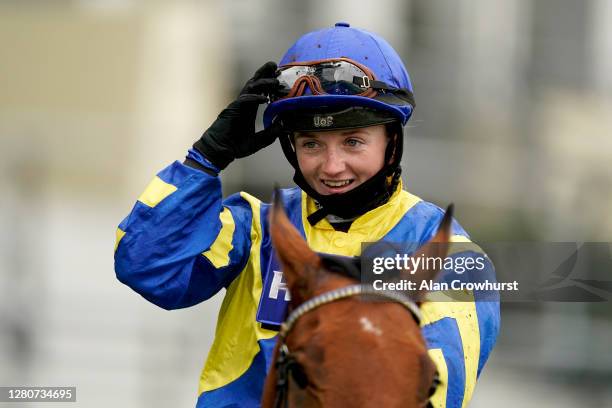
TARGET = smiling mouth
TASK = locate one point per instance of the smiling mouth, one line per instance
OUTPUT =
(336, 183)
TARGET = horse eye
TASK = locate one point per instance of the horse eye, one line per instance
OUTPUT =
(434, 384)
(299, 376)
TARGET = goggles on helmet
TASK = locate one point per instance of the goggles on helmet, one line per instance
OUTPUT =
(334, 76)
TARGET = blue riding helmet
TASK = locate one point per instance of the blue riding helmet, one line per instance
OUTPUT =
(370, 50)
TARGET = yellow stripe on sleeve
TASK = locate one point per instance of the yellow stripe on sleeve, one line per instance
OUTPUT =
(237, 334)
(118, 235)
(156, 191)
(218, 254)
(459, 238)
(460, 243)
(460, 306)
(438, 400)
(465, 315)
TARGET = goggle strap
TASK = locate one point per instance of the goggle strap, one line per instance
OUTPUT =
(405, 95)
(365, 82)
(380, 85)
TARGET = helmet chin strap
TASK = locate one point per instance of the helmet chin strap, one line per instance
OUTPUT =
(368, 195)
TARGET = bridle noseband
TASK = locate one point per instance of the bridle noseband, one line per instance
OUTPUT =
(285, 362)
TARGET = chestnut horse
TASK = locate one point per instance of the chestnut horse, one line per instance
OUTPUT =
(337, 349)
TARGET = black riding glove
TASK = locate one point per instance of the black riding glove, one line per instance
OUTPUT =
(233, 135)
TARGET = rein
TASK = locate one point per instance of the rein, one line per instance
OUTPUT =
(285, 362)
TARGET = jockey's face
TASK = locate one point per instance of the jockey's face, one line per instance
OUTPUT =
(336, 161)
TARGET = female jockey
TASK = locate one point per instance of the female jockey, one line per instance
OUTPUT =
(339, 100)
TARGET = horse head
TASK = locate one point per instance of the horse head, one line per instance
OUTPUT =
(348, 350)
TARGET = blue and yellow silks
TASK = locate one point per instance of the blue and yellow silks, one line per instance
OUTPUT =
(182, 243)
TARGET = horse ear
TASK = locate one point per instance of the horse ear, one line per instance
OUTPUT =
(300, 264)
(437, 247)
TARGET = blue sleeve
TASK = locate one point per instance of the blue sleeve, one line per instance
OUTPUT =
(461, 331)
(460, 335)
(181, 243)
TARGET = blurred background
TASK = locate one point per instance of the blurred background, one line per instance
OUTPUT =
(513, 124)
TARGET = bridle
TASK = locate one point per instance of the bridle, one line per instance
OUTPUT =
(285, 362)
